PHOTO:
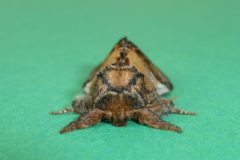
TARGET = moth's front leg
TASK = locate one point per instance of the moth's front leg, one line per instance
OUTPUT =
(151, 119)
(85, 120)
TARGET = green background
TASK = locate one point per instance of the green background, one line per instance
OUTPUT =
(48, 48)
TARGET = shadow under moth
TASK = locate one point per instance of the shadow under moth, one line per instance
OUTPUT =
(126, 86)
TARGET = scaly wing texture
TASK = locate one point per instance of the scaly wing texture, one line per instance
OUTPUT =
(154, 77)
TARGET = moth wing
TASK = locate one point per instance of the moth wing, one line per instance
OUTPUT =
(154, 77)
(152, 73)
(88, 83)
(110, 59)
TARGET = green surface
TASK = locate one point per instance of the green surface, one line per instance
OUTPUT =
(48, 48)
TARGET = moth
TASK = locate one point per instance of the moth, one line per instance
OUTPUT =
(126, 86)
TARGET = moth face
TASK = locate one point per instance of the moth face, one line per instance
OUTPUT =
(121, 84)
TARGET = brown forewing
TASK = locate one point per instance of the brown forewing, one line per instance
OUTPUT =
(153, 77)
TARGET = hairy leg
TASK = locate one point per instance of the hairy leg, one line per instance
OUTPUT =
(63, 111)
(86, 120)
(149, 118)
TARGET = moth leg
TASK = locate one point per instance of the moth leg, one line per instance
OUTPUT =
(180, 111)
(63, 111)
(86, 120)
(150, 119)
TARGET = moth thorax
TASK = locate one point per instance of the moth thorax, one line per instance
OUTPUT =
(119, 78)
(114, 101)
